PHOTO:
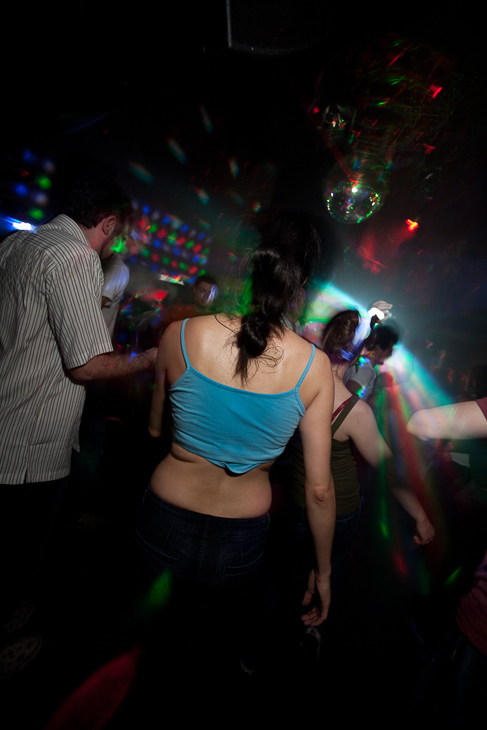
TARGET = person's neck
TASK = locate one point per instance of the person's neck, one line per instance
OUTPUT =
(339, 372)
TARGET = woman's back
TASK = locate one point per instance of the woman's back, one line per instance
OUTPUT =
(244, 426)
(221, 421)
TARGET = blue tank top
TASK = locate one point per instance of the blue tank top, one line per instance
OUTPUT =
(232, 428)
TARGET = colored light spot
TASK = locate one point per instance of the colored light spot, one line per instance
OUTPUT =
(176, 150)
(94, 703)
(44, 182)
(205, 117)
(236, 198)
(140, 172)
(36, 213)
(232, 162)
(41, 199)
(29, 156)
(399, 563)
(49, 166)
(453, 577)
(21, 189)
(118, 246)
(160, 295)
(18, 225)
(411, 224)
(202, 195)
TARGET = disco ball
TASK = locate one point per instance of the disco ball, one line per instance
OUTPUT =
(355, 189)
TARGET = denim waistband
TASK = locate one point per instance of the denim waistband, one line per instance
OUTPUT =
(199, 520)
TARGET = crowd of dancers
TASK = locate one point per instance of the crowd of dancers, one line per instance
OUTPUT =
(243, 414)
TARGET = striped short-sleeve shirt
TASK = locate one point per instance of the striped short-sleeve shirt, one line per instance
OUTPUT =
(50, 322)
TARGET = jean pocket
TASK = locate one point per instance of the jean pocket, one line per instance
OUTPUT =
(156, 557)
(247, 562)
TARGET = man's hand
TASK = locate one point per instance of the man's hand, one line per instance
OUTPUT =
(384, 307)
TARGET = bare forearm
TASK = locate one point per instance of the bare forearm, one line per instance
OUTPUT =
(114, 365)
(321, 512)
(410, 503)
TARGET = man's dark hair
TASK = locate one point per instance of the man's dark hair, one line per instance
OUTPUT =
(206, 279)
(89, 201)
(384, 336)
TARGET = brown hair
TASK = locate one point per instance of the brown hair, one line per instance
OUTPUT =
(339, 335)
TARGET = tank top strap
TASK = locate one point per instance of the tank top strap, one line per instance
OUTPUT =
(307, 367)
(342, 412)
(183, 346)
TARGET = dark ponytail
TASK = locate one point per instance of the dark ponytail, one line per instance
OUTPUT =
(288, 252)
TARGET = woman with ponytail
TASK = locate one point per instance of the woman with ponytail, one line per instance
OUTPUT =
(238, 388)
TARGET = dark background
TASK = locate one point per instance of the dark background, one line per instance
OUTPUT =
(101, 86)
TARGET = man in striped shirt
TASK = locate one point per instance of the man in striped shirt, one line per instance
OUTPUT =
(53, 340)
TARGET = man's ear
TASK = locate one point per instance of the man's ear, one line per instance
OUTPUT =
(108, 225)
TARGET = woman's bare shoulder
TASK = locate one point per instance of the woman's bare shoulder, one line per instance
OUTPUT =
(360, 415)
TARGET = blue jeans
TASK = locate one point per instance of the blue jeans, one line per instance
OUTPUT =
(198, 549)
(214, 562)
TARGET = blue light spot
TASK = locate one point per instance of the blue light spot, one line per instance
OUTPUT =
(28, 156)
(21, 189)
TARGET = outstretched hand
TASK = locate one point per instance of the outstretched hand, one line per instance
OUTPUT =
(319, 588)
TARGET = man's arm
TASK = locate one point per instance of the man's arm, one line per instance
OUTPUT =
(113, 365)
(354, 387)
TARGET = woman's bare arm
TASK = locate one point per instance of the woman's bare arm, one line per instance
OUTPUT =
(457, 421)
(167, 347)
(315, 431)
(362, 428)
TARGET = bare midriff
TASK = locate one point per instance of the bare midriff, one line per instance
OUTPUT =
(191, 482)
